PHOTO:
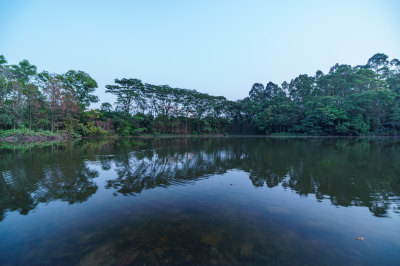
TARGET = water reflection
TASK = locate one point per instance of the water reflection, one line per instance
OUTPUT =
(43, 174)
(349, 172)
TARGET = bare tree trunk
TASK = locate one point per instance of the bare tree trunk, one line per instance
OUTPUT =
(52, 122)
(30, 117)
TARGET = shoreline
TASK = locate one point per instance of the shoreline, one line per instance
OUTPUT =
(12, 139)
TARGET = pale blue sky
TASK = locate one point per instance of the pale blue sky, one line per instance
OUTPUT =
(217, 47)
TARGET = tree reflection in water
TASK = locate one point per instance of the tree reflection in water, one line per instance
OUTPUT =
(349, 172)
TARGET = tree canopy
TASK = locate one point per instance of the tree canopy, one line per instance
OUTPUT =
(347, 101)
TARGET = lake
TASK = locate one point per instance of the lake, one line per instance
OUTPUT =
(201, 201)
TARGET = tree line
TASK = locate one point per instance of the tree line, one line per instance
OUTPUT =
(43, 100)
(347, 101)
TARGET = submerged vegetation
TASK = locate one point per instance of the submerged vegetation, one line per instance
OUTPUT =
(347, 101)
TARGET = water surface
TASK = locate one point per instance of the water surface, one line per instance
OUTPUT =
(201, 201)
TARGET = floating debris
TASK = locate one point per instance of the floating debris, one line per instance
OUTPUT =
(360, 238)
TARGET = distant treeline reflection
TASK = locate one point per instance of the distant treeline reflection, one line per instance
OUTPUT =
(348, 172)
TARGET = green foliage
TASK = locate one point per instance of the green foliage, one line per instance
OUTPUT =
(125, 130)
(25, 132)
(138, 131)
(347, 101)
(93, 130)
(82, 86)
(45, 101)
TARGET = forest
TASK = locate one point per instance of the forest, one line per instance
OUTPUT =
(347, 101)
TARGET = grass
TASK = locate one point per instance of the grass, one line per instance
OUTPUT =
(25, 133)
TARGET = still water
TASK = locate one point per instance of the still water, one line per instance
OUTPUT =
(201, 201)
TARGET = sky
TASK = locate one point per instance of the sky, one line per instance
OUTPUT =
(216, 47)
